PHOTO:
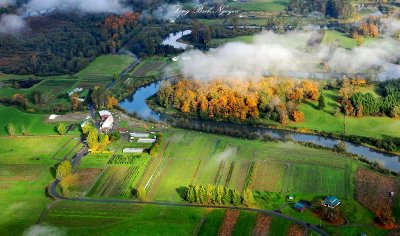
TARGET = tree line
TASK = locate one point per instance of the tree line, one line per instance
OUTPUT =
(356, 103)
(340, 9)
(218, 195)
(269, 98)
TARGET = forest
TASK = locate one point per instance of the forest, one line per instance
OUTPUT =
(269, 98)
(340, 9)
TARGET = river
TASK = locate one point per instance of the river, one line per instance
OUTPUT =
(173, 38)
(137, 104)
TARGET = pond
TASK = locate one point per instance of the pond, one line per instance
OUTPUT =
(136, 103)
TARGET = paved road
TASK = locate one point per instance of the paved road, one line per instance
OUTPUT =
(55, 194)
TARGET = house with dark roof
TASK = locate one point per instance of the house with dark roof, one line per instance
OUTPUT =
(331, 202)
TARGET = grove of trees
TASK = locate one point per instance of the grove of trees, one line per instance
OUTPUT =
(232, 100)
(218, 195)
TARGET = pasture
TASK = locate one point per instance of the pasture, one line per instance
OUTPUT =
(26, 168)
(368, 126)
(260, 5)
(32, 123)
(83, 218)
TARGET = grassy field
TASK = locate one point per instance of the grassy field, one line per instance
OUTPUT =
(343, 40)
(260, 5)
(26, 168)
(106, 65)
(77, 218)
(215, 42)
(377, 127)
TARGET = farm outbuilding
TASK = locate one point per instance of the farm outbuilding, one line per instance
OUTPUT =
(146, 140)
(331, 202)
(299, 207)
(133, 150)
(138, 135)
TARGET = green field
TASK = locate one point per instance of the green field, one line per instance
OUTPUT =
(26, 168)
(106, 65)
(82, 218)
(377, 127)
(260, 5)
(285, 168)
(343, 40)
(215, 42)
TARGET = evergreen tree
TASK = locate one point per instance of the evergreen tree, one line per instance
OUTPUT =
(321, 102)
(227, 197)
(219, 194)
(210, 189)
(236, 198)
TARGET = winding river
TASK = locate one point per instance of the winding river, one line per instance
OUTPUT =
(137, 104)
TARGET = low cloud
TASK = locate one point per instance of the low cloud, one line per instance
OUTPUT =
(7, 3)
(43, 230)
(10, 24)
(88, 6)
(285, 54)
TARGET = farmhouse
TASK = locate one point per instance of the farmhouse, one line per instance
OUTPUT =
(331, 202)
(133, 150)
(106, 120)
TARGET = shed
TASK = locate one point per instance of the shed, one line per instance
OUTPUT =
(139, 135)
(331, 202)
(146, 140)
(133, 150)
(299, 207)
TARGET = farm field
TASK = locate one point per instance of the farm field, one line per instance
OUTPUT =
(215, 42)
(260, 5)
(26, 166)
(226, 162)
(82, 218)
(149, 67)
(34, 123)
(106, 65)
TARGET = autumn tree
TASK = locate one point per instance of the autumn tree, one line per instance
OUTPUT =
(93, 138)
(111, 102)
(61, 129)
(219, 194)
(63, 169)
(248, 198)
(310, 89)
(103, 138)
(75, 102)
(297, 116)
(10, 129)
(141, 193)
